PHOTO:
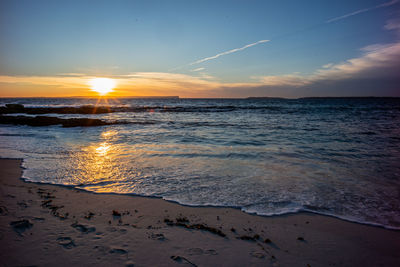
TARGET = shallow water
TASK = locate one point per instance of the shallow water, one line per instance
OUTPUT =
(268, 156)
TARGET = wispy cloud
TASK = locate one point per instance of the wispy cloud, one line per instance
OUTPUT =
(393, 25)
(198, 69)
(228, 52)
(390, 3)
(326, 66)
(71, 74)
(377, 63)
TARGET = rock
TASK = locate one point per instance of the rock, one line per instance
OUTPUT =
(47, 121)
(15, 106)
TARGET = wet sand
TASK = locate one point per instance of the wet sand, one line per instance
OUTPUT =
(48, 225)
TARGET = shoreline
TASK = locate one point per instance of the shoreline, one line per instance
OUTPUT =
(45, 225)
(210, 206)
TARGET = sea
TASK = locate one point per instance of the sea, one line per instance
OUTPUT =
(333, 156)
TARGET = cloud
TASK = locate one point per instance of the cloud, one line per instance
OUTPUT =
(198, 69)
(326, 66)
(374, 72)
(71, 74)
(390, 3)
(377, 60)
(284, 80)
(138, 83)
(228, 52)
(394, 25)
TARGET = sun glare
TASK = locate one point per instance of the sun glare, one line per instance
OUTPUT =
(102, 86)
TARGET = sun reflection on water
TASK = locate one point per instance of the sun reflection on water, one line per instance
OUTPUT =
(98, 162)
(109, 133)
(102, 149)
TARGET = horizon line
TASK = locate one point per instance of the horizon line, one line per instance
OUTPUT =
(178, 97)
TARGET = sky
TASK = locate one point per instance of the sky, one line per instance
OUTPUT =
(272, 48)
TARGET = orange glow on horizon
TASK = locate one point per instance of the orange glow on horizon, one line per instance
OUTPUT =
(135, 85)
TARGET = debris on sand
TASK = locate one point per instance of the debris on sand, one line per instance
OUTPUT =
(89, 215)
(182, 220)
(195, 227)
(182, 259)
(249, 238)
(116, 213)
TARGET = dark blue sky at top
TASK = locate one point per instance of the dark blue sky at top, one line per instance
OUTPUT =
(121, 37)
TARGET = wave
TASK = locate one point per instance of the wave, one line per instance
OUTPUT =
(286, 208)
(283, 108)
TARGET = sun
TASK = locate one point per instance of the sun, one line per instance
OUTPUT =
(102, 86)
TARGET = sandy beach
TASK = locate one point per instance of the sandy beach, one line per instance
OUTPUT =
(47, 225)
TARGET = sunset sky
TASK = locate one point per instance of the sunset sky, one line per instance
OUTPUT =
(284, 48)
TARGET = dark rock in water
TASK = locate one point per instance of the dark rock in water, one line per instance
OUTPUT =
(15, 106)
(47, 121)
(21, 226)
(87, 109)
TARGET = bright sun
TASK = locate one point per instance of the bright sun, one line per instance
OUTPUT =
(102, 85)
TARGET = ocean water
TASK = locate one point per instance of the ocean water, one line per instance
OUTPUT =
(333, 156)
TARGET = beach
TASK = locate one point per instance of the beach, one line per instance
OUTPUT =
(48, 225)
(200, 133)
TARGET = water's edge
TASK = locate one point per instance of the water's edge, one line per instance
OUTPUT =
(298, 211)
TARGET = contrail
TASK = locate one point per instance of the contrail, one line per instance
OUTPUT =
(390, 3)
(363, 10)
(198, 69)
(228, 52)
